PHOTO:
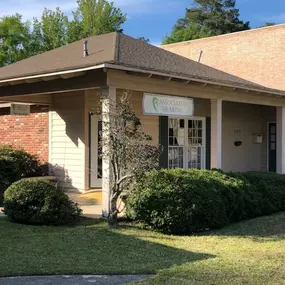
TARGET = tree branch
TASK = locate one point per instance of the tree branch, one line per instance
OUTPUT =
(125, 178)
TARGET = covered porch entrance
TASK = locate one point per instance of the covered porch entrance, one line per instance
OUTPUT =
(228, 130)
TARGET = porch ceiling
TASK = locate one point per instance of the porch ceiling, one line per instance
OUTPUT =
(54, 84)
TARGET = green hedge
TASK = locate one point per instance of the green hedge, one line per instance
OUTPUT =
(9, 173)
(181, 202)
(28, 165)
(39, 202)
(16, 164)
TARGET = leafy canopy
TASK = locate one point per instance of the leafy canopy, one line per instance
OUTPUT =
(14, 38)
(207, 18)
(21, 39)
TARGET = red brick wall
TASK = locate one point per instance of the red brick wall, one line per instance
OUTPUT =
(30, 133)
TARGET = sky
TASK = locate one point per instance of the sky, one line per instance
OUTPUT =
(152, 19)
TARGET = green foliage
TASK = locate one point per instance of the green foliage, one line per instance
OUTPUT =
(207, 18)
(39, 202)
(27, 165)
(96, 17)
(13, 38)
(9, 173)
(21, 39)
(14, 165)
(54, 29)
(268, 24)
(146, 40)
(9, 169)
(191, 32)
(181, 202)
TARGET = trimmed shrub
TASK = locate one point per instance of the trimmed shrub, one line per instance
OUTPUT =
(28, 165)
(270, 187)
(16, 164)
(9, 169)
(177, 201)
(9, 173)
(39, 202)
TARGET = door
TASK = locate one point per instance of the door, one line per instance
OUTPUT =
(96, 162)
(272, 147)
(187, 139)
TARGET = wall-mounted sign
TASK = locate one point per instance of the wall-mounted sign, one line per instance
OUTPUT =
(163, 105)
(20, 109)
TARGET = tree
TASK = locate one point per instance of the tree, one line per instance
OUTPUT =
(129, 150)
(268, 24)
(96, 17)
(54, 26)
(75, 28)
(192, 32)
(36, 42)
(146, 40)
(207, 18)
(14, 38)
(19, 40)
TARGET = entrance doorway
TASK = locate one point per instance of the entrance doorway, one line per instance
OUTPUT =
(96, 162)
(187, 143)
(272, 147)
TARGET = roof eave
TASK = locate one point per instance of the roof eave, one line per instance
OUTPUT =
(49, 76)
(189, 79)
(76, 72)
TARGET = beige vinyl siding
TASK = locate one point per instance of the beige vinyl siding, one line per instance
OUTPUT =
(67, 139)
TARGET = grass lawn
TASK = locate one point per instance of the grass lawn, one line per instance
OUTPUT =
(251, 252)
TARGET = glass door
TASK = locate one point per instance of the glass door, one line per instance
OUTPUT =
(186, 143)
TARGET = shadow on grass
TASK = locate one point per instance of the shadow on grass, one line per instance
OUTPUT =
(88, 248)
(259, 229)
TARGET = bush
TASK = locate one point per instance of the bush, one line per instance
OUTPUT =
(39, 202)
(9, 173)
(28, 165)
(181, 202)
(16, 164)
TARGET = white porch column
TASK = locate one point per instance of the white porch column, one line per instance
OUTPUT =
(108, 96)
(280, 142)
(216, 134)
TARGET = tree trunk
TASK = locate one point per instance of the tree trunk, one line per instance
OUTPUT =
(113, 216)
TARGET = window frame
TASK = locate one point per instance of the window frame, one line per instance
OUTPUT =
(186, 143)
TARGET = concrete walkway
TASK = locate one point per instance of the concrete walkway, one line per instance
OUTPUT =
(90, 203)
(74, 280)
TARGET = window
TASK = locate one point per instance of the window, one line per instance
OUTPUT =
(186, 143)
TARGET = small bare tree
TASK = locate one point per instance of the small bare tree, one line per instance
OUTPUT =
(130, 152)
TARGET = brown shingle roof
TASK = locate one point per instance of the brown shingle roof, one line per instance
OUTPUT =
(101, 49)
(122, 50)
